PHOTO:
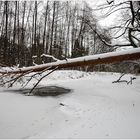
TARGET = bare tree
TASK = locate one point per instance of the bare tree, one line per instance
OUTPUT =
(45, 23)
(128, 26)
(6, 31)
(15, 19)
(52, 27)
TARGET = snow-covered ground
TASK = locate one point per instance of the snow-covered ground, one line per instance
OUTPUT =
(95, 108)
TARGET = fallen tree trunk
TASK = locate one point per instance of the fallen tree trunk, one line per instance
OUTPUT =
(105, 58)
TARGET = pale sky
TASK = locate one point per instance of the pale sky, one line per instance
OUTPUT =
(93, 4)
(108, 21)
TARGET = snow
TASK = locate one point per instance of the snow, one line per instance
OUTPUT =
(124, 48)
(35, 56)
(95, 108)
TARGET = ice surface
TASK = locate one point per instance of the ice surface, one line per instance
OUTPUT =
(95, 109)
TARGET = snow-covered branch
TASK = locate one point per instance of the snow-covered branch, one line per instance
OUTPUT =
(49, 56)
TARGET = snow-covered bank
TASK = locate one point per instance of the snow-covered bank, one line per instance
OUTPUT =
(95, 109)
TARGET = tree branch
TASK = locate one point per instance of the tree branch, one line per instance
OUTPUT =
(41, 79)
(106, 43)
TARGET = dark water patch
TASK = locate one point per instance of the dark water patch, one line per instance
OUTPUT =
(45, 91)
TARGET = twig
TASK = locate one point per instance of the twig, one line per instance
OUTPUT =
(41, 79)
(128, 82)
(15, 79)
(33, 76)
(19, 77)
(131, 79)
(119, 80)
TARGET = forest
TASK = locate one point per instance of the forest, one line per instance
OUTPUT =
(31, 29)
(69, 69)
(37, 32)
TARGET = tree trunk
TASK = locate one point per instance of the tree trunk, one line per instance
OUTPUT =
(105, 58)
(44, 34)
(35, 26)
(52, 28)
(22, 43)
(15, 18)
(6, 32)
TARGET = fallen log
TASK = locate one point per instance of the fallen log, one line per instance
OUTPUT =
(105, 58)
